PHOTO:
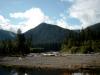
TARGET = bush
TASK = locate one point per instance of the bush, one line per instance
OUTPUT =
(86, 49)
(65, 48)
(74, 49)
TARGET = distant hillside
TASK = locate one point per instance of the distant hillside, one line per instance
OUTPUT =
(4, 35)
(95, 27)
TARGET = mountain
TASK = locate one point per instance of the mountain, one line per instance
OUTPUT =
(95, 27)
(47, 33)
(4, 35)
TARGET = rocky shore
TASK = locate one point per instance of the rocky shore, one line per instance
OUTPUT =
(68, 61)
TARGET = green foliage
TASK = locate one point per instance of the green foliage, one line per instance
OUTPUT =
(16, 46)
(87, 42)
(74, 49)
(64, 48)
(85, 49)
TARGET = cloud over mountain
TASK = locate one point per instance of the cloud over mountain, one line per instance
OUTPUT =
(32, 18)
(87, 11)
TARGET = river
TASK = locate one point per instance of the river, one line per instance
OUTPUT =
(39, 71)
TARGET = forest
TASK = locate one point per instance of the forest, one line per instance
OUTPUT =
(88, 41)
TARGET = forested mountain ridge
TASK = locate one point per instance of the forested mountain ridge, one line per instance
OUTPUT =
(95, 27)
(47, 37)
(87, 42)
(5, 35)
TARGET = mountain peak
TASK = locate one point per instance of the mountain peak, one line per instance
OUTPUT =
(44, 25)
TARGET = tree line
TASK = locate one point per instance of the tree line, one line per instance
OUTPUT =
(22, 45)
(17, 46)
(86, 41)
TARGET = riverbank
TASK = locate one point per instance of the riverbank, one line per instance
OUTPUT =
(70, 61)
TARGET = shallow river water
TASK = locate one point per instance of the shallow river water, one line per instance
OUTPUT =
(39, 71)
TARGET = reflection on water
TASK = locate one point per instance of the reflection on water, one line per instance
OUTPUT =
(34, 71)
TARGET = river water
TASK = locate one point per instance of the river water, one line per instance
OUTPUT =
(39, 71)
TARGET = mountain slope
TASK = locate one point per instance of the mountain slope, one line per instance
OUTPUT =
(95, 27)
(4, 35)
(47, 33)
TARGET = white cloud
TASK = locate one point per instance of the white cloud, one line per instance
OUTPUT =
(87, 11)
(3, 20)
(62, 23)
(16, 15)
(50, 20)
(4, 23)
(63, 16)
(33, 17)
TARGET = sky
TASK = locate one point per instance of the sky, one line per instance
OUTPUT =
(27, 14)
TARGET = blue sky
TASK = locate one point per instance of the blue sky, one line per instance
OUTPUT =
(27, 14)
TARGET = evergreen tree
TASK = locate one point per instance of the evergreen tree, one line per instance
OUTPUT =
(20, 42)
